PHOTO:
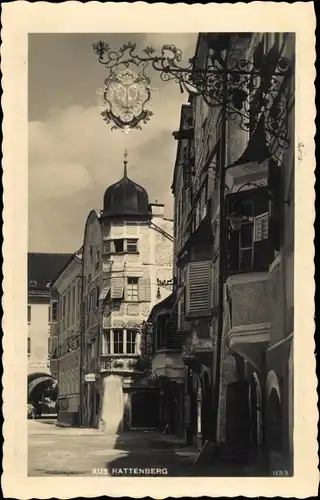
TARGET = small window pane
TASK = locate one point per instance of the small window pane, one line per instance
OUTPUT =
(131, 341)
(245, 259)
(118, 341)
(29, 314)
(246, 236)
(118, 246)
(132, 246)
(54, 311)
(132, 289)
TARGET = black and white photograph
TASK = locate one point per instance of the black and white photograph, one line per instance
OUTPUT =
(161, 262)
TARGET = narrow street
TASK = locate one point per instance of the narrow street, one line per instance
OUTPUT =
(68, 451)
(65, 451)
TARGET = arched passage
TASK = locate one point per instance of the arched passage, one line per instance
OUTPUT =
(38, 384)
(207, 420)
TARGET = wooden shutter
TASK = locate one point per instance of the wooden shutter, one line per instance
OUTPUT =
(145, 290)
(198, 289)
(183, 324)
(117, 288)
(174, 336)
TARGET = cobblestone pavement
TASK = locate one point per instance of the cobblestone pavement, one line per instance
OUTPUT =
(56, 451)
(65, 451)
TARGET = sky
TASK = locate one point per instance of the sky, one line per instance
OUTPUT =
(73, 154)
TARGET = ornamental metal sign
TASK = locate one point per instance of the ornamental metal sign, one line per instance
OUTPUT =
(125, 95)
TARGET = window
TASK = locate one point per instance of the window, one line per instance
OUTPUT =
(246, 237)
(106, 346)
(54, 311)
(132, 246)
(249, 249)
(49, 314)
(107, 246)
(118, 246)
(73, 304)
(118, 341)
(129, 245)
(98, 254)
(29, 346)
(131, 341)
(198, 289)
(132, 289)
(29, 314)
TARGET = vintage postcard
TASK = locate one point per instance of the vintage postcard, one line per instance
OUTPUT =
(158, 250)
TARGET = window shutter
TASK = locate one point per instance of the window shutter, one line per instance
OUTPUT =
(198, 289)
(145, 289)
(117, 288)
(260, 227)
(183, 324)
(107, 246)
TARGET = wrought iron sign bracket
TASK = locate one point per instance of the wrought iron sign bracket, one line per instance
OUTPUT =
(245, 88)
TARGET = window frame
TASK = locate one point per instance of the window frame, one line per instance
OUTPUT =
(115, 242)
(135, 244)
(29, 314)
(119, 343)
(132, 343)
(234, 245)
(54, 309)
(106, 348)
(132, 289)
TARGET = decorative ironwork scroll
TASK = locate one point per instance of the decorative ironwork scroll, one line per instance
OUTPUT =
(247, 89)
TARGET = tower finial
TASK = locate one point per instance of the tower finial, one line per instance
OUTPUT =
(125, 162)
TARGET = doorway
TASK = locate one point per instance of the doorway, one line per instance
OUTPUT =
(145, 410)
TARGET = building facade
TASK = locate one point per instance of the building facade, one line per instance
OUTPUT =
(136, 262)
(65, 304)
(90, 334)
(235, 307)
(42, 268)
(104, 295)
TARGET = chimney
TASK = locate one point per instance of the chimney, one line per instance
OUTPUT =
(157, 209)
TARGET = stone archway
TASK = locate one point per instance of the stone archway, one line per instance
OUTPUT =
(37, 387)
(274, 434)
(37, 384)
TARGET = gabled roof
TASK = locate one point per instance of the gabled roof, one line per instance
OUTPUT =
(44, 267)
